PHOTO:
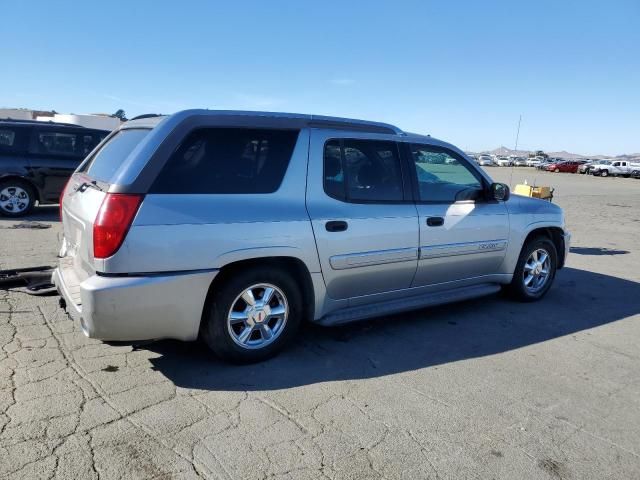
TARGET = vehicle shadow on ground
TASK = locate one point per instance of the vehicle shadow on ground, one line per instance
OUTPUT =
(597, 251)
(41, 213)
(44, 213)
(411, 341)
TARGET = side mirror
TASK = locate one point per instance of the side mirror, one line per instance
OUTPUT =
(499, 192)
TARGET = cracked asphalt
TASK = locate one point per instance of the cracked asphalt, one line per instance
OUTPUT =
(482, 389)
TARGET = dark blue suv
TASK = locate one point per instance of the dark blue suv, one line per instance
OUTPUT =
(37, 159)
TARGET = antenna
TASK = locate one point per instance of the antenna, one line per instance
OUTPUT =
(516, 150)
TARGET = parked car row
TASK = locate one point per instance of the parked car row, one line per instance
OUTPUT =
(601, 168)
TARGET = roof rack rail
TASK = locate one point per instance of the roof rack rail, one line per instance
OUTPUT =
(147, 115)
(352, 124)
(40, 122)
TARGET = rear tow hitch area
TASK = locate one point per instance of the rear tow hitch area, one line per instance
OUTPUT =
(31, 280)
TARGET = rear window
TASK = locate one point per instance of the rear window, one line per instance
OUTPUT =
(228, 160)
(111, 156)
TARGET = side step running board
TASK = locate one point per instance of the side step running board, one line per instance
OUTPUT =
(351, 314)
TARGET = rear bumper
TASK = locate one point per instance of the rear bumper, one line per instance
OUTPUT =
(136, 307)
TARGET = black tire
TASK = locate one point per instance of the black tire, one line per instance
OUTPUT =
(26, 190)
(604, 173)
(557, 170)
(517, 289)
(215, 330)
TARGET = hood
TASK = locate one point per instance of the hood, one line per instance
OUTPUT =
(535, 206)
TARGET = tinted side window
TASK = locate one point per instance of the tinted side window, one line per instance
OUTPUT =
(59, 143)
(90, 141)
(7, 137)
(12, 139)
(334, 184)
(362, 170)
(228, 160)
(443, 176)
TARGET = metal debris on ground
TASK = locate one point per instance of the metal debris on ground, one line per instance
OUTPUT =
(30, 225)
(32, 280)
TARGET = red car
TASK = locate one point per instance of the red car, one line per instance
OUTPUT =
(571, 167)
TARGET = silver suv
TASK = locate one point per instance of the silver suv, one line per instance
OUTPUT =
(237, 226)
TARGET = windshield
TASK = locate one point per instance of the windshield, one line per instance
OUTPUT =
(103, 165)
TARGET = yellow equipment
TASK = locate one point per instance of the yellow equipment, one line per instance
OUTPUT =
(545, 193)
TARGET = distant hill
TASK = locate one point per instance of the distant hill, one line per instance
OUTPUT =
(508, 151)
(567, 155)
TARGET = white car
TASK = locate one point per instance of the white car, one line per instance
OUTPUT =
(485, 161)
(504, 162)
(519, 162)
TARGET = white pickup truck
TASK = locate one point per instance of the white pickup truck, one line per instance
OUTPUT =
(617, 168)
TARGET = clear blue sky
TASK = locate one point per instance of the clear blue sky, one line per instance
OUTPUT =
(461, 71)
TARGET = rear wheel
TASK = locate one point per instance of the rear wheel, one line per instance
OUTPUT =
(535, 270)
(17, 198)
(253, 315)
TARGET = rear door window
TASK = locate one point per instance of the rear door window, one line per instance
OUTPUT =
(228, 160)
(372, 167)
(106, 161)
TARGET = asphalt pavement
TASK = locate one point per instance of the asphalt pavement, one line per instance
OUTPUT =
(482, 389)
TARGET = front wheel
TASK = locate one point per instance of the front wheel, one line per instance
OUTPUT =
(557, 170)
(17, 198)
(535, 270)
(253, 315)
(604, 173)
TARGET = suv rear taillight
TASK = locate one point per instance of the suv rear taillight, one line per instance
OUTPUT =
(113, 221)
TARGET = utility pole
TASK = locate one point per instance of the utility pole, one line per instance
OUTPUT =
(516, 150)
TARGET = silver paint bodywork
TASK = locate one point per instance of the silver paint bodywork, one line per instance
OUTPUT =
(156, 284)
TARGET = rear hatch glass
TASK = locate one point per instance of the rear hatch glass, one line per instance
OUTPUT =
(83, 197)
(104, 164)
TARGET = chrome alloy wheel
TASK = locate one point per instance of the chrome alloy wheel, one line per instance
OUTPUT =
(14, 199)
(258, 316)
(536, 270)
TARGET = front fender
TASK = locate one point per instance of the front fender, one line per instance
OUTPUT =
(525, 216)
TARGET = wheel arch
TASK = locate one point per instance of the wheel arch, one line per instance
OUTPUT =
(294, 266)
(553, 233)
(22, 178)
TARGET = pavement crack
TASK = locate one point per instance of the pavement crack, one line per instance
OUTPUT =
(98, 390)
